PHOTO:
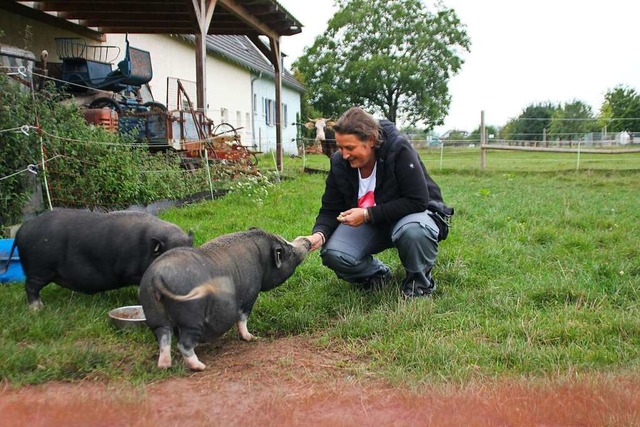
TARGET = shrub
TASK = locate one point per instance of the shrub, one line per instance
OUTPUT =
(17, 149)
(84, 165)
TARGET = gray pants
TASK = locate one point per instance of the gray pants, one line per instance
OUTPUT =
(349, 250)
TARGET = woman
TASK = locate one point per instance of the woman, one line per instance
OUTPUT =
(379, 195)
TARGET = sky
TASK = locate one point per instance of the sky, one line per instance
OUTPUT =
(522, 53)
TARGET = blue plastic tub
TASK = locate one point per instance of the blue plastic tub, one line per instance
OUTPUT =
(14, 273)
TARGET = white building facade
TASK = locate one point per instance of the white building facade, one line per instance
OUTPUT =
(239, 79)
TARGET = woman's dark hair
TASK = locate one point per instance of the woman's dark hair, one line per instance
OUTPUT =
(356, 121)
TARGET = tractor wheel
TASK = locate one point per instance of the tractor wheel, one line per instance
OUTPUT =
(155, 107)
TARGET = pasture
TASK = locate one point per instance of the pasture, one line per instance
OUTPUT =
(540, 277)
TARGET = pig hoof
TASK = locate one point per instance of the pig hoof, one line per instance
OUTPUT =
(248, 337)
(194, 364)
(164, 364)
(36, 305)
(164, 360)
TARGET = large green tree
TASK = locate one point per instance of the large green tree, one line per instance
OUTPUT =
(572, 121)
(531, 124)
(392, 57)
(621, 110)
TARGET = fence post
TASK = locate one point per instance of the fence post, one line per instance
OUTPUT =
(206, 162)
(483, 142)
(578, 157)
(44, 173)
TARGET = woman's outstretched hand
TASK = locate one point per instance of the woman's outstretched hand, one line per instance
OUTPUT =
(316, 239)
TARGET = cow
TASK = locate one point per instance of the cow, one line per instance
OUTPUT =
(202, 292)
(91, 252)
(325, 136)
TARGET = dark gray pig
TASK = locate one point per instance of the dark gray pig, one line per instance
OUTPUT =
(91, 252)
(204, 291)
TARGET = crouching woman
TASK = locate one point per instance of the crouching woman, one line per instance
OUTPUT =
(378, 195)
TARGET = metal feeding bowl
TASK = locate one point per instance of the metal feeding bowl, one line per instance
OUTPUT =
(128, 317)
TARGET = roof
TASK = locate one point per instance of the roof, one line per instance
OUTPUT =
(230, 17)
(241, 51)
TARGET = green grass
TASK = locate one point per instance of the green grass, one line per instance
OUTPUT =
(540, 276)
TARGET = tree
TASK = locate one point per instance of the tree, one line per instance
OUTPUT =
(306, 110)
(456, 135)
(392, 57)
(621, 104)
(572, 121)
(489, 130)
(531, 123)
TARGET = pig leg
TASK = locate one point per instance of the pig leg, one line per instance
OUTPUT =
(33, 287)
(186, 344)
(163, 335)
(191, 359)
(242, 327)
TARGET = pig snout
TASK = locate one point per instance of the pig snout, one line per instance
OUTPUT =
(301, 246)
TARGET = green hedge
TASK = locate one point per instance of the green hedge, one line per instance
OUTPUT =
(86, 166)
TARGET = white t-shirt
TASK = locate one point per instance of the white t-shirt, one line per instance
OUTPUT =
(366, 198)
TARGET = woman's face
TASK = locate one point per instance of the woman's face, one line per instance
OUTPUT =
(357, 152)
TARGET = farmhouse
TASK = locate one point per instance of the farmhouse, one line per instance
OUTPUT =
(241, 81)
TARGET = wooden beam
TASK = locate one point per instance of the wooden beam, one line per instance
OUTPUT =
(204, 13)
(52, 20)
(246, 16)
(137, 13)
(111, 10)
(275, 57)
(126, 22)
(277, 64)
(561, 150)
(261, 47)
(163, 30)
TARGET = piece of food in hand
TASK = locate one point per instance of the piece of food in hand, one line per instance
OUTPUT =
(341, 217)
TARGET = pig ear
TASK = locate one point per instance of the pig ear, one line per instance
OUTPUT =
(158, 246)
(277, 256)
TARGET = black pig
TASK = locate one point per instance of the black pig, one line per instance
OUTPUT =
(90, 252)
(204, 291)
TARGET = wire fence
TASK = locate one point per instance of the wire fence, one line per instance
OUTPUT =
(594, 150)
(520, 155)
(474, 157)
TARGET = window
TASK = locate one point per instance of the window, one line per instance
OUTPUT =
(285, 119)
(238, 119)
(264, 109)
(270, 112)
(224, 115)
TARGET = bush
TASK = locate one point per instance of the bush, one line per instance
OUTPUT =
(84, 165)
(17, 149)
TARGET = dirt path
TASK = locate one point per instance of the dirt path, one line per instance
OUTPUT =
(286, 382)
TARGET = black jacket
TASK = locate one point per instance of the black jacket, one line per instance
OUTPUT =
(403, 185)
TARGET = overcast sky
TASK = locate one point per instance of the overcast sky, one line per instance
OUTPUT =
(522, 52)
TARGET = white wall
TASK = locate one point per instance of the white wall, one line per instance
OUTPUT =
(228, 86)
(265, 134)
